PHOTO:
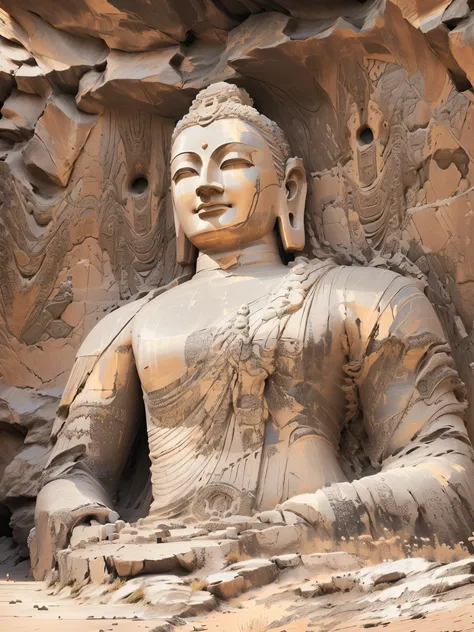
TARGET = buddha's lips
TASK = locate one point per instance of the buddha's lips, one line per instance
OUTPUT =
(206, 209)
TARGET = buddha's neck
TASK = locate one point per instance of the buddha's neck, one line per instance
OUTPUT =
(254, 258)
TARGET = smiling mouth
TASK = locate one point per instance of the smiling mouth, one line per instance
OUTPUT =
(207, 209)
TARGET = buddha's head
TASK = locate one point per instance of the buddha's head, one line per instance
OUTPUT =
(232, 178)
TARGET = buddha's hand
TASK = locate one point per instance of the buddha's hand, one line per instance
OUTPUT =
(311, 510)
(279, 517)
(314, 509)
(63, 523)
(55, 525)
(61, 505)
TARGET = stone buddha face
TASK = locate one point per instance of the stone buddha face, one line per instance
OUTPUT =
(228, 190)
(225, 188)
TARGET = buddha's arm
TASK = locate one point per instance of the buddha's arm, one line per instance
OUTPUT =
(92, 437)
(413, 408)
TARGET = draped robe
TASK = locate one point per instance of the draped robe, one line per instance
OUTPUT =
(335, 396)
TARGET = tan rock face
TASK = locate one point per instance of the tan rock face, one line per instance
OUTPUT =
(59, 137)
(377, 102)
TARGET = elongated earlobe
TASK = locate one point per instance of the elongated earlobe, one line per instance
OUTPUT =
(291, 215)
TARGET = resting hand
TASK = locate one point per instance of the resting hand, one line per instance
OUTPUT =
(60, 506)
(314, 509)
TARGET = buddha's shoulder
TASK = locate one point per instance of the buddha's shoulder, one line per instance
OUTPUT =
(114, 326)
(373, 283)
(118, 325)
(357, 296)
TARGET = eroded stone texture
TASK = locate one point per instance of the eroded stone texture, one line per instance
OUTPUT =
(26, 420)
(148, 80)
(20, 114)
(60, 281)
(60, 135)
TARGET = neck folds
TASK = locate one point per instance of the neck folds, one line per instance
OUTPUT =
(253, 257)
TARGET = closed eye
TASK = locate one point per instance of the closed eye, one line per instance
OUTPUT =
(236, 163)
(184, 172)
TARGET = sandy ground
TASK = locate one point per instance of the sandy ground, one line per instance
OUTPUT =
(274, 608)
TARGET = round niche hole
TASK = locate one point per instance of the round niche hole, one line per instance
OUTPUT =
(365, 135)
(139, 185)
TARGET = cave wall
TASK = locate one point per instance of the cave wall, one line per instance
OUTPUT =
(375, 96)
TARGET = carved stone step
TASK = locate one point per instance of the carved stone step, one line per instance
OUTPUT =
(129, 560)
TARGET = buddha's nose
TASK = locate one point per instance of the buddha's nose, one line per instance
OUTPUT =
(209, 189)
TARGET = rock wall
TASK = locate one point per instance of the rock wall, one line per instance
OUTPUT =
(375, 96)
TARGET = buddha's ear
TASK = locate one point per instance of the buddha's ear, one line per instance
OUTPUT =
(291, 215)
(185, 251)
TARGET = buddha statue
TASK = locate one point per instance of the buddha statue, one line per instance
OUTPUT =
(320, 393)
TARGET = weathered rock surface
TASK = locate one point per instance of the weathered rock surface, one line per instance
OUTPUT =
(20, 113)
(59, 137)
(328, 562)
(256, 572)
(62, 56)
(147, 80)
(403, 587)
(226, 584)
(130, 559)
(25, 424)
(387, 572)
(288, 560)
(115, 606)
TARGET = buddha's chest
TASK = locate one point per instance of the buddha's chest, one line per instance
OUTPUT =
(180, 328)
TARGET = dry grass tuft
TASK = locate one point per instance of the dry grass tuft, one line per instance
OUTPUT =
(116, 584)
(233, 557)
(136, 596)
(257, 624)
(198, 584)
(76, 588)
(392, 547)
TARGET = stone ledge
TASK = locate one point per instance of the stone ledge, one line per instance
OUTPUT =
(129, 560)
